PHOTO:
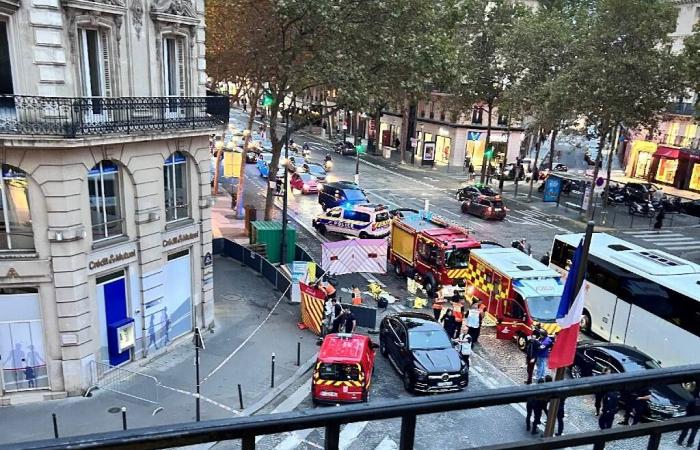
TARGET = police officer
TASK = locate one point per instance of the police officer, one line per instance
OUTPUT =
(535, 407)
(531, 353)
(609, 402)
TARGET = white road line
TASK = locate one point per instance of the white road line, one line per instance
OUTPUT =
(663, 240)
(384, 199)
(349, 433)
(657, 235)
(293, 400)
(452, 213)
(387, 444)
(295, 438)
(683, 247)
(647, 232)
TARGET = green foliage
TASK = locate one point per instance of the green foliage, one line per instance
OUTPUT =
(691, 69)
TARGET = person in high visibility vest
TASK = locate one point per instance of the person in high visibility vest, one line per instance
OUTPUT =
(438, 302)
(458, 311)
(356, 295)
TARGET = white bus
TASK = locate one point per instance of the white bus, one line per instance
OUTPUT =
(644, 298)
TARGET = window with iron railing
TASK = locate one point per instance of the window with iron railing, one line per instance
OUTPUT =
(105, 202)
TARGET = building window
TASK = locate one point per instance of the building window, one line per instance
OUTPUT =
(666, 172)
(503, 119)
(16, 220)
(105, 204)
(6, 87)
(695, 177)
(476, 114)
(174, 78)
(94, 66)
(432, 110)
(175, 188)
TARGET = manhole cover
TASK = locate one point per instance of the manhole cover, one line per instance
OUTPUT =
(114, 410)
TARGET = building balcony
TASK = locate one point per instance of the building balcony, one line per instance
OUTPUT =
(681, 109)
(78, 117)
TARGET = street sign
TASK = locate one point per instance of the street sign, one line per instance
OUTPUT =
(414, 142)
(207, 259)
(197, 339)
(473, 135)
(599, 181)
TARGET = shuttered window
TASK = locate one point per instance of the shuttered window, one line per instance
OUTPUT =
(174, 70)
(95, 72)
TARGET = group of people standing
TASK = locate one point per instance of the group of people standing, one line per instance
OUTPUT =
(537, 407)
(537, 349)
(458, 315)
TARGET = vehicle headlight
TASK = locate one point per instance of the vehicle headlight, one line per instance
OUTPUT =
(420, 373)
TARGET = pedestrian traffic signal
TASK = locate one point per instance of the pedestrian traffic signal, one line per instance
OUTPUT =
(362, 148)
(489, 153)
(268, 99)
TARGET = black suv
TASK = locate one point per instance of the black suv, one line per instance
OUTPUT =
(422, 353)
(339, 193)
(639, 192)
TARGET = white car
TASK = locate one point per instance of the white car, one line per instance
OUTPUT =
(366, 220)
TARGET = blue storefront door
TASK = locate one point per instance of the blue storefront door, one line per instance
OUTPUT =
(115, 312)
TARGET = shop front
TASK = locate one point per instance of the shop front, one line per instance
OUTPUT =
(22, 347)
(640, 159)
(694, 177)
(665, 164)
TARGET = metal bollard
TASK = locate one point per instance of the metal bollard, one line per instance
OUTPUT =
(240, 397)
(604, 217)
(55, 425)
(124, 417)
(272, 372)
(298, 353)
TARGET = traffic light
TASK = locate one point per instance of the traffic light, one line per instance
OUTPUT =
(361, 148)
(268, 99)
(489, 153)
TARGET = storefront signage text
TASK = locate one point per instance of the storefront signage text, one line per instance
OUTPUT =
(180, 238)
(111, 259)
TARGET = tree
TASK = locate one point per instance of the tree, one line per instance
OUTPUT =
(691, 57)
(482, 75)
(624, 73)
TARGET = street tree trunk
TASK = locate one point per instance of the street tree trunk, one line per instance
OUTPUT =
(217, 166)
(377, 129)
(555, 131)
(485, 162)
(241, 174)
(274, 163)
(405, 118)
(538, 144)
(613, 146)
(603, 133)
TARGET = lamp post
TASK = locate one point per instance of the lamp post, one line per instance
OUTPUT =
(219, 146)
(283, 241)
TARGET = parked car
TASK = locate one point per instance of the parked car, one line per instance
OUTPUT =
(251, 157)
(474, 190)
(304, 182)
(296, 164)
(344, 148)
(263, 164)
(639, 192)
(691, 208)
(340, 193)
(485, 207)
(509, 172)
(667, 401)
(559, 167)
(317, 171)
(422, 353)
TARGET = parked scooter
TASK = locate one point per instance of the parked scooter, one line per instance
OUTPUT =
(645, 209)
(669, 206)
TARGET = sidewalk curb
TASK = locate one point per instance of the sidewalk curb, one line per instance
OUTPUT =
(275, 393)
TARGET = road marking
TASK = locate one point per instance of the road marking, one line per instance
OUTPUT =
(387, 444)
(293, 400)
(450, 212)
(664, 240)
(294, 438)
(684, 247)
(350, 433)
(647, 232)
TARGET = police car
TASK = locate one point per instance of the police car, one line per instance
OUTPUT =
(366, 220)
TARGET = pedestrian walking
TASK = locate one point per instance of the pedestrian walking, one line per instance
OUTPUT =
(534, 408)
(245, 104)
(438, 301)
(693, 409)
(471, 171)
(30, 375)
(531, 347)
(449, 323)
(609, 403)
(543, 349)
(545, 259)
(473, 322)
(660, 218)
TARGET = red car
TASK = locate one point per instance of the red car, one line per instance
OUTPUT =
(304, 182)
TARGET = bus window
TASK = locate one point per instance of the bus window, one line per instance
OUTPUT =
(561, 253)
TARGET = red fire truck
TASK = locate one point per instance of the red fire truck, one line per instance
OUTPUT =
(519, 292)
(427, 244)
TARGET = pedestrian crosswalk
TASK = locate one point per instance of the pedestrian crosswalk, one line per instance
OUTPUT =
(667, 239)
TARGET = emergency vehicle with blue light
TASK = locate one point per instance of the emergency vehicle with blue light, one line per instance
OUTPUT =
(366, 220)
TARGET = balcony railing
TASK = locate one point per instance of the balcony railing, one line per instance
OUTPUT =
(407, 410)
(682, 109)
(90, 116)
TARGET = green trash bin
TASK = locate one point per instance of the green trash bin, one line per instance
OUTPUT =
(269, 233)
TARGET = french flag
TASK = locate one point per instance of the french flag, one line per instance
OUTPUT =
(568, 317)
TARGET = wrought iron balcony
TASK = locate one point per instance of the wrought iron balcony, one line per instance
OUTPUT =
(682, 109)
(70, 117)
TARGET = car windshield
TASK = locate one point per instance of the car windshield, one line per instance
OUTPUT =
(355, 195)
(428, 339)
(338, 372)
(382, 216)
(497, 204)
(457, 258)
(543, 309)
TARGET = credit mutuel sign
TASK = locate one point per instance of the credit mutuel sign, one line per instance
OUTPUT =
(181, 237)
(114, 257)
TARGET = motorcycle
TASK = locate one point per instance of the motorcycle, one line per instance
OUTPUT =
(644, 209)
(669, 206)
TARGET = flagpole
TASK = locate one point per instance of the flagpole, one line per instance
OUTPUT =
(561, 371)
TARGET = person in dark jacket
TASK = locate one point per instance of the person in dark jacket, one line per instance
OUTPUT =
(599, 395)
(635, 404)
(535, 407)
(693, 409)
(609, 403)
(449, 323)
(543, 353)
(660, 218)
(533, 343)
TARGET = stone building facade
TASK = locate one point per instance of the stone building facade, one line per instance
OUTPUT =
(105, 234)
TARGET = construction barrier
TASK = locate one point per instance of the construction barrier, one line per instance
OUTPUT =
(366, 316)
(312, 307)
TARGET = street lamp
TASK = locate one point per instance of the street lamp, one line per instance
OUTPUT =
(283, 241)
